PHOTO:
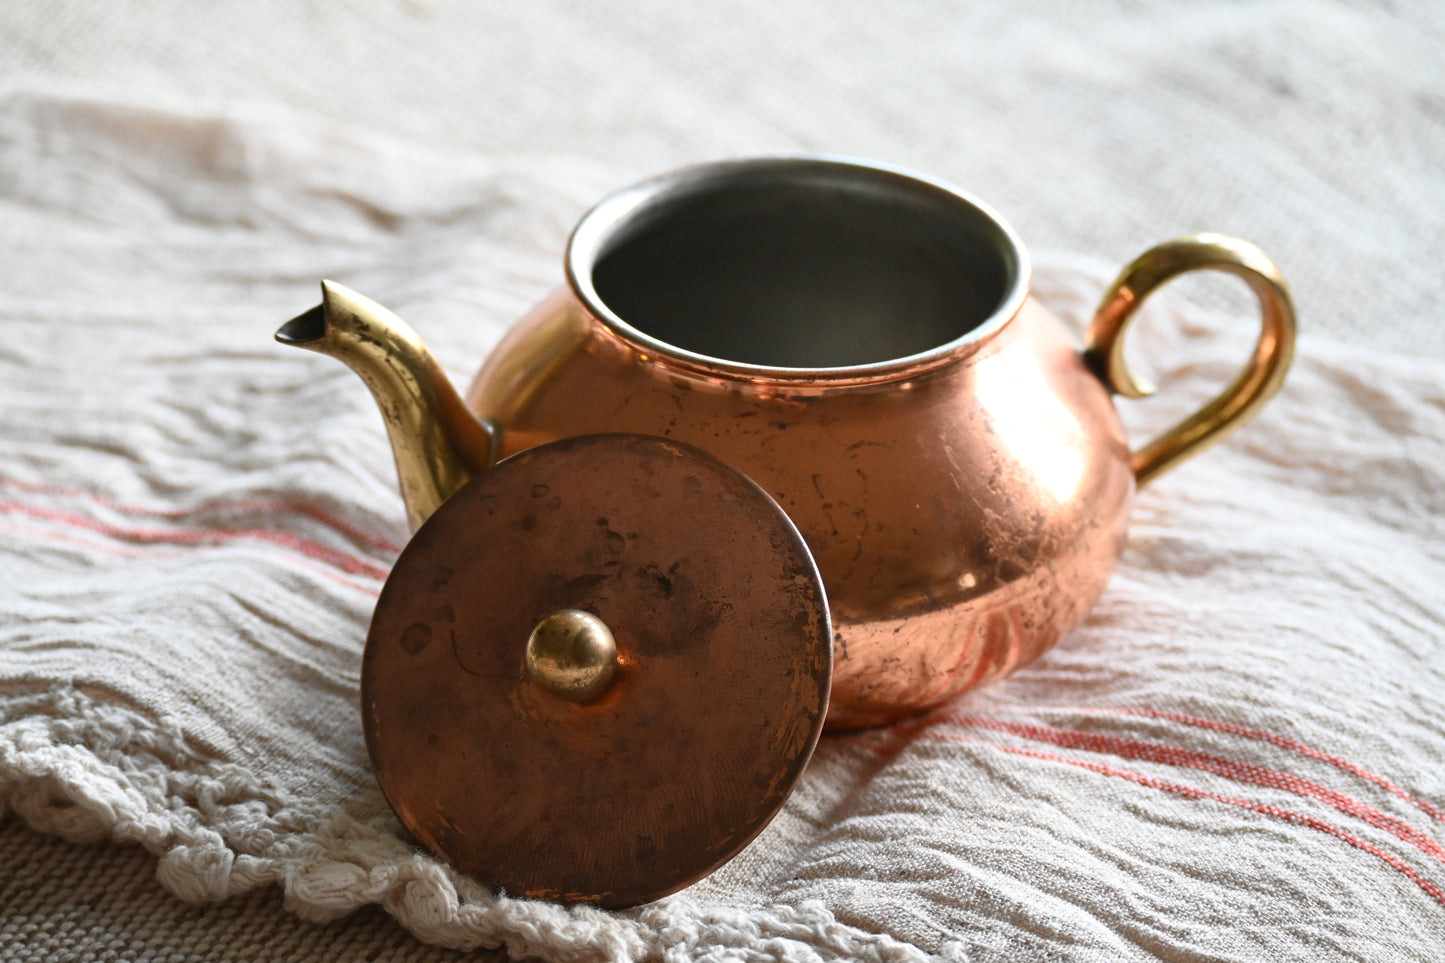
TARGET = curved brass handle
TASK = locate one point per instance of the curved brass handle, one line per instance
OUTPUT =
(1261, 377)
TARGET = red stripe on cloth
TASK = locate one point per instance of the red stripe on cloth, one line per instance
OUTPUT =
(1430, 888)
(90, 545)
(197, 536)
(1219, 765)
(131, 551)
(1193, 792)
(1291, 745)
(262, 505)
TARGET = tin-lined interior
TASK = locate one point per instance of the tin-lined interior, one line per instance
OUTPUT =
(820, 266)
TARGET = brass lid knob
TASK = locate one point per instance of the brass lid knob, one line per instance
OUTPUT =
(572, 654)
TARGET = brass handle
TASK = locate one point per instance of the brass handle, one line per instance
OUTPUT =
(1261, 377)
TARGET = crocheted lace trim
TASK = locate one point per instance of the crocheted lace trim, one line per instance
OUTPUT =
(79, 767)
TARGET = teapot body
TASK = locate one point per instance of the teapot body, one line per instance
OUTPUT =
(964, 510)
(923, 444)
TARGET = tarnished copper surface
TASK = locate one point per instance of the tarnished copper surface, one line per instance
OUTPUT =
(721, 681)
(963, 518)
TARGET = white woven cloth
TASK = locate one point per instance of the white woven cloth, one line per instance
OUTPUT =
(1238, 756)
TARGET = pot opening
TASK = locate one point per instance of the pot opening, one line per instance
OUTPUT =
(799, 264)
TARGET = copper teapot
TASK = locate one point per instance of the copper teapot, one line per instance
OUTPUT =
(847, 353)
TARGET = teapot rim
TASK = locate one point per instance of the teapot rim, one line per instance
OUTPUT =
(605, 221)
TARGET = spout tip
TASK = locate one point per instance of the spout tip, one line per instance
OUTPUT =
(305, 328)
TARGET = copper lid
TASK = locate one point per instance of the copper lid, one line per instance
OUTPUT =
(597, 670)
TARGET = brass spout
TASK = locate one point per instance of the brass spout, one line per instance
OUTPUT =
(439, 445)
